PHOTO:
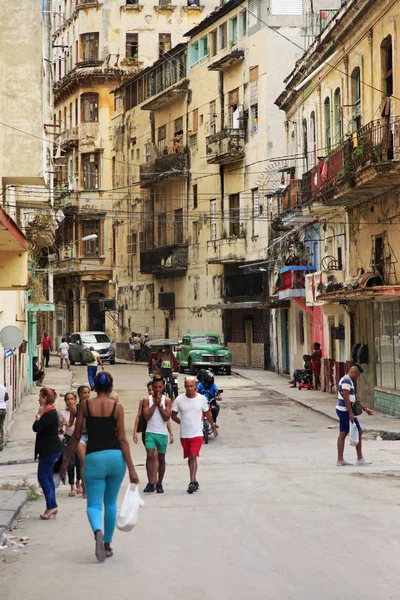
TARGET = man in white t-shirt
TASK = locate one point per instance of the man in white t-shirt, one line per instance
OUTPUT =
(92, 366)
(3, 412)
(192, 406)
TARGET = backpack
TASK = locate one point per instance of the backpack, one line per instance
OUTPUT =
(88, 356)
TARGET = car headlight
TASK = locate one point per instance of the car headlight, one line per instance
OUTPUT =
(198, 356)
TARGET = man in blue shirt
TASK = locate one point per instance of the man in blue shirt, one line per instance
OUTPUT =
(344, 410)
(208, 388)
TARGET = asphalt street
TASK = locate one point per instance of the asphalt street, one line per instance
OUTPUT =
(274, 519)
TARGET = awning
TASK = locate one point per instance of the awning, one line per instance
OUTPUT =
(381, 292)
(13, 255)
(234, 305)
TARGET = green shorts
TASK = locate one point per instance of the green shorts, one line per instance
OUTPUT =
(158, 441)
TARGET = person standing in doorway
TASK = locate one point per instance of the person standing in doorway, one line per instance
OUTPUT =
(316, 358)
(47, 348)
(3, 413)
(131, 342)
(92, 366)
(137, 346)
(192, 406)
(157, 412)
(344, 411)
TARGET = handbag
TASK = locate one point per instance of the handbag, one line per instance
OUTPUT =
(142, 425)
(356, 408)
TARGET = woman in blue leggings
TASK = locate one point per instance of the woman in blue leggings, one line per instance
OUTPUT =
(107, 456)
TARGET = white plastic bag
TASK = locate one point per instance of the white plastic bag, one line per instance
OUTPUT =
(353, 434)
(129, 512)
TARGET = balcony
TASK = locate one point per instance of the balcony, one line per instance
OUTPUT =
(226, 146)
(292, 281)
(40, 293)
(320, 282)
(367, 164)
(170, 166)
(226, 250)
(68, 138)
(165, 261)
(292, 211)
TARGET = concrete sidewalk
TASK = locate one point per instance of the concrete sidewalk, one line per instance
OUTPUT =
(386, 426)
(11, 502)
(21, 439)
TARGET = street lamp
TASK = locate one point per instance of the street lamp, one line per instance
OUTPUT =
(92, 236)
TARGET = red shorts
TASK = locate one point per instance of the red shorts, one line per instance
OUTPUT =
(191, 446)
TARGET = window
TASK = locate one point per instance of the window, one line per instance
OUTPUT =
(254, 13)
(204, 47)
(193, 141)
(387, 65)
(223, 36)
(243, 23)
(195, 127)
(178, 127)
(286, 7)
(234, 30)
(256, 211)
(90, 46)
(164, 2)
(337, 115)
(313, 139)
(195, 230)
(161, 230)
(233, 108)
(178, 226)
(164, 43)
(91, 171)
(327, 118)
(131, 2)
(213, 118)
(301, 327)
(213, 220)
(90, 108)
(131, 243)
(132, 46)
(193, 54)
(254, 119)
(234, 215)
(195, 200)
(162, 139)
(305, 145)
(91, 247)
(214, 42)
(356, 97)
(387, 350)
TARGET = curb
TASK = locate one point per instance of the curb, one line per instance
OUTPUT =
(10, 511)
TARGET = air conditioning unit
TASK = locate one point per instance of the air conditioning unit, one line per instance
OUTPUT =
(107, 304)
(166, 300)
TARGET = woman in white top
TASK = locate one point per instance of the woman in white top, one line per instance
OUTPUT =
(74, 464)
(63, 352)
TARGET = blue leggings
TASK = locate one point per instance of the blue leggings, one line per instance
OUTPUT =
(103, 474)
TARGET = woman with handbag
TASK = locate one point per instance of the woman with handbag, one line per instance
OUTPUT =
(68, 430)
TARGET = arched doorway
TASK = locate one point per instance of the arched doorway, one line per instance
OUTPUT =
(70, 313)
(97, 319)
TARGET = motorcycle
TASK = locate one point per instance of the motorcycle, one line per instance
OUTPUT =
(171, 387)
(207, 429)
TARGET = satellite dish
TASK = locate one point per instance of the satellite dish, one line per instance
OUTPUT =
(11, 337)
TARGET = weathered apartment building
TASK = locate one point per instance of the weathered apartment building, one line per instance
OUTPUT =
(27, 223)
(97, 46)
(193, 138)
(337, 220)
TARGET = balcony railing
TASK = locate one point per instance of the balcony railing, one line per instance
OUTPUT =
(68, 138)
(171, 165)
(291, 197)
(226, 146)
(318, 282)
(226, 250)
(292, 281)
(166, 259)
(375, 145)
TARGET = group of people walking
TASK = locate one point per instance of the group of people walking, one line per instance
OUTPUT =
(137, 347)
(96, 451)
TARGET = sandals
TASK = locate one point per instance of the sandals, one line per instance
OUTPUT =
(100, 551)
(71, 494)
(108, 550)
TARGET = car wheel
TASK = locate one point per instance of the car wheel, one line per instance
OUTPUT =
(192, 368)
(112, 361)
(228, 370)
(181, 369)
(72, 362)
(215, 370)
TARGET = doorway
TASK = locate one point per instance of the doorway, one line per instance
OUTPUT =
(166, 331)
(69, 314)
(248, 332)
(285, 341)
(97, 318)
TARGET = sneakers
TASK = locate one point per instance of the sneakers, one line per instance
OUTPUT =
(192, 488)
(362, 462)
(343, 463)
(196, 483)
(159, 488)
(149, 489)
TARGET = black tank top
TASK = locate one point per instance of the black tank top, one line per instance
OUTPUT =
(102, 432)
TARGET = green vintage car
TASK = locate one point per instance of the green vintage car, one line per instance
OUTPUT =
(203, 351)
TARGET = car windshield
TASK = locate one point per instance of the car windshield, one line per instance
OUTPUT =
(95, 338)
(206, 339)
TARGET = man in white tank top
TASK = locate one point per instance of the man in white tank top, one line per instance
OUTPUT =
(156, 411)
